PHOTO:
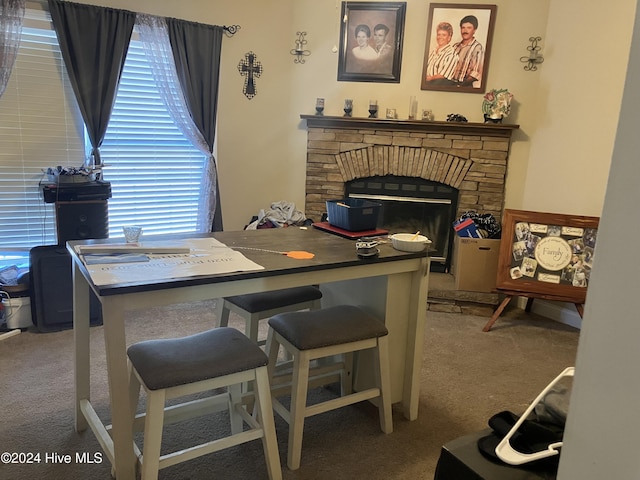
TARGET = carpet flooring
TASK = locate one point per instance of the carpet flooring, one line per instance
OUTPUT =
(466, 377)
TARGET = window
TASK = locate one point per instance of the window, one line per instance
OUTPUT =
(40, 127)
(155, 173)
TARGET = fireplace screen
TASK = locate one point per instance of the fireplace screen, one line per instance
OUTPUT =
(410, 204)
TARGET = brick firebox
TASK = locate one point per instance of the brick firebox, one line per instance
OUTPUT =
(471, 157)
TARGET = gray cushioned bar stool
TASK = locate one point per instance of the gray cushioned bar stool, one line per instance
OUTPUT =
(217, 358)
(307, 336)
(258, 306)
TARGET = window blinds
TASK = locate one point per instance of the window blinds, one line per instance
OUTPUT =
(40, 127)
(155, 173)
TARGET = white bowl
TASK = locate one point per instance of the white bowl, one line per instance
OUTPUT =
(409, 242)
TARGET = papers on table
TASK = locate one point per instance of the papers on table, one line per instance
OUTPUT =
(115, 258)
(192, 257)
(148, 247)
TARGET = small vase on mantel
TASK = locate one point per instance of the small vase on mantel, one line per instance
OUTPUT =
(496, 105)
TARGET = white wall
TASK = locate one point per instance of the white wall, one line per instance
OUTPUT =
(581, 80)
(579, 101)
(601, 437)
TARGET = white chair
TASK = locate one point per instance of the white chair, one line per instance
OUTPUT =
(258, 306)
(320, 334)
(218, 358)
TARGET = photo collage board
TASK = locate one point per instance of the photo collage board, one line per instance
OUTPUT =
(547, 254)
(552, 253)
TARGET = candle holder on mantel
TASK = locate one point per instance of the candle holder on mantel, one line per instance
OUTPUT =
(348, 107)
(413, 107)
(319, 106)
(373, 109)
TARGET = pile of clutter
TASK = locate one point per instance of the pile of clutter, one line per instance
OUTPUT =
(61, 174)
(281, 214)
(475, 225)
(15, 310)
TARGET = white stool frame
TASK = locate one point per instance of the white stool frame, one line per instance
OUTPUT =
(263, 426)
(301, 380)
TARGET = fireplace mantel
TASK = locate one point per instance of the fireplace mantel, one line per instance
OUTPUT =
(460, 128)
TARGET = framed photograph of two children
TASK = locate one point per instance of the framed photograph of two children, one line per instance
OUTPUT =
(458, 47)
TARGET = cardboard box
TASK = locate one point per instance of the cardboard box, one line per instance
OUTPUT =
(475, 264)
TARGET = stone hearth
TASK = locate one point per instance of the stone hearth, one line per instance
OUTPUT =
(443, 297)
(471, 157)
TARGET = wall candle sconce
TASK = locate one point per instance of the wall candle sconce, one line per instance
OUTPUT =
(299, 52)
(534, 57)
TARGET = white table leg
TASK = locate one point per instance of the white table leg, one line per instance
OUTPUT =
(415, 340)
(81, 359)
(115, 347)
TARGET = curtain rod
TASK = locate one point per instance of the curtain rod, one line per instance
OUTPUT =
(229, 30)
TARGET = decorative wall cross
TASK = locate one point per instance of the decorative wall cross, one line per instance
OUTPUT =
(251, 68)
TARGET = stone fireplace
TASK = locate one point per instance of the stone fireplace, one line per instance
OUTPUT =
(468, 157)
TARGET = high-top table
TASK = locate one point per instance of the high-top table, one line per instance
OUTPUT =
(392, 286)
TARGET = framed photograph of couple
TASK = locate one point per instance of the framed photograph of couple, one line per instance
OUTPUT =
(371, 36)
(458, 47)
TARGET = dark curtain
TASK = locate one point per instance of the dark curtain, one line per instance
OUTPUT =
(196, 52)
(94, 42)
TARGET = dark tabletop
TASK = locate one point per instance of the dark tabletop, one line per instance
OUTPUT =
(330, 251)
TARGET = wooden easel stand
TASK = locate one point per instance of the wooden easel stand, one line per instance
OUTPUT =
(509, 294)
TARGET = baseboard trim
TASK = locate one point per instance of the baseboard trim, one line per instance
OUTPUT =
(558, 311)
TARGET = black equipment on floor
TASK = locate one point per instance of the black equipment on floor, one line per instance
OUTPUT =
(52, 290)
(81, 214)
